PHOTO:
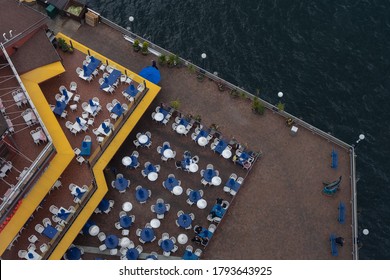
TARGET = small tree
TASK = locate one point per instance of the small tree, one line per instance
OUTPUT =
(175, 104)
(258, 106)
(162, 59)
(145, 48)
(136, 46)
(280, 106)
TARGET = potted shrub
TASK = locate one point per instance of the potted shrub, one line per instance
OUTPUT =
(162, 59)
(136, 46)
(175, 104)
(173, 60)
(145, 48)
(257, 106)
(280, 106)
(198, 118)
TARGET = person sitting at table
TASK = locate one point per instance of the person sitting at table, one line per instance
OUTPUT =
(198, 229)
(204, 241)
(197, 239)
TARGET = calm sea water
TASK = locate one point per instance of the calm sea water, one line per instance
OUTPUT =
(331, 61)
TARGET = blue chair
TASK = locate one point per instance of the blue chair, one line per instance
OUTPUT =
(333, 245)
(335, 159)
(341, 217)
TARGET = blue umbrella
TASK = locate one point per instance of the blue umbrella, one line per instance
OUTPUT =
(151, 74)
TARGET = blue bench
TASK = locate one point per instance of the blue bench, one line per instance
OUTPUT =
(335, 159)
(333, 245)
(341, 218)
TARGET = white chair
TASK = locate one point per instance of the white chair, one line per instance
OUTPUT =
(73, 86)
(22, 254)
(46, 222)
(102, 67)
(123, 78)
(113, 252)
(53, 209)
(44, 247)
(31, 247)
(77, 151)
(125, 232)
(73, 107)
(102, 247)
(80, 159)
(212, 228)
(198, 252)
(139, 249)
(64, 114)
(166, 254)
(118, 225)
(76, 98)
(33, 238)
(138, 232)
(174, 248)
(189, 248)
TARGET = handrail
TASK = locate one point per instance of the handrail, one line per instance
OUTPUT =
(355, 248)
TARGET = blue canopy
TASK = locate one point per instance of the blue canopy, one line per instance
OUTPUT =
(106, 80)
(151, 74)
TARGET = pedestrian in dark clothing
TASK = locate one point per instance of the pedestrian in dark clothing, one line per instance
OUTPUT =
(339, 241)
(154, 64)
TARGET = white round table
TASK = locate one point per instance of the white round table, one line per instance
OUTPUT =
(202, 141)
(216, 181)
(155, 223)
(178, 190)
(125, 242)
(193, 167)
(94, 230)
(226, 153)
(159, 116)
(181, 129)
(143, 139)
(152, 176)
(168, 153)
(126, 161)
(182, 238)
(201, 203)
(127, 206)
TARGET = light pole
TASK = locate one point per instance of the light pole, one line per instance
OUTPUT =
(361, 137)
(203, 56)
(131, 19)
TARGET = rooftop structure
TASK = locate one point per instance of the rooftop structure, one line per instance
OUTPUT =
(280, 203)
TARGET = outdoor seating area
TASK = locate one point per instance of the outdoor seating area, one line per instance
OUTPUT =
(174, 192)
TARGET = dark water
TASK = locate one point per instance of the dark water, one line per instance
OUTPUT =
(331, 61)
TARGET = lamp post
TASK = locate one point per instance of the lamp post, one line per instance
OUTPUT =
(203, 56)
(131, 19)
(361, 137)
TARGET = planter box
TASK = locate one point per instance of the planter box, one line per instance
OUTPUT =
(75, 10)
